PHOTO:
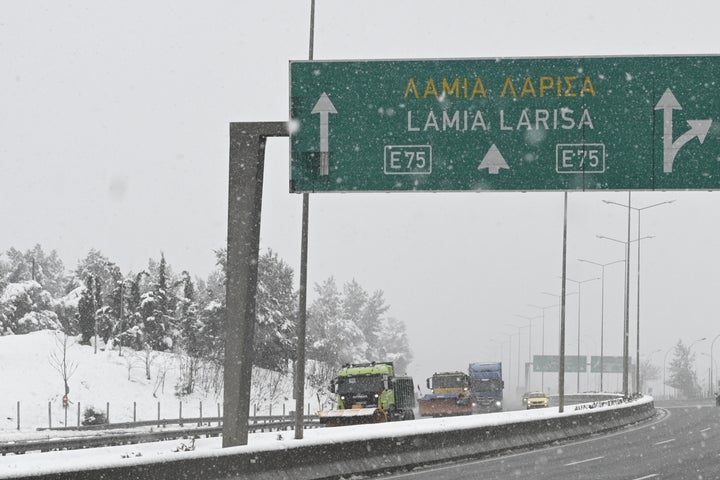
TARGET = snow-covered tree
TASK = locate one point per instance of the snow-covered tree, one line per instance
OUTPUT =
(46, 269)
(156, 310)
(276, 313)
(86, 311)
(26, 307)
(191, 339)
(372, 323)
(101, 268)
(353, 303)
(332, 337)
(393, 344)
(352, 328)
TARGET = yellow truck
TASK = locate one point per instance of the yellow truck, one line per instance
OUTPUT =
(449, 395)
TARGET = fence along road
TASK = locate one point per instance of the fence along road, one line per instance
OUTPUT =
(365, 448)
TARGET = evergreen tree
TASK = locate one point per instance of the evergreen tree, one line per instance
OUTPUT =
(161, 289)
(371, 323)
(682, 376)
(393, 345)
(353, 304)
(108, 318)
(86, 311)
(136, 291)
(191, 339)
(276, 309)
(157, 309)
(100, 267)
(333, 338)
(35, 264)
(351, 328)
(4, 273)
(321, 314)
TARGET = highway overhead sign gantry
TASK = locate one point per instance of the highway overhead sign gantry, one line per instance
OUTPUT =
(615, 123)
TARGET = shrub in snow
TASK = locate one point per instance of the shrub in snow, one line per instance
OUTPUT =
(36, 321)
(25, 307)
(93, 417)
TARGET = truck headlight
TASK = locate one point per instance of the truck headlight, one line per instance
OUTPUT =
(498, 404)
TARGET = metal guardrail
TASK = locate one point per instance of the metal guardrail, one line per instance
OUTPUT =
(257, 424)
(259, 421)
(336, 459)
(71, 443)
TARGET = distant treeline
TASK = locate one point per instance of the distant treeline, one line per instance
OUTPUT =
(158, 310)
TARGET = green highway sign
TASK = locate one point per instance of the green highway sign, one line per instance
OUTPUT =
(526, 124)
(609, 364)
(551, 363)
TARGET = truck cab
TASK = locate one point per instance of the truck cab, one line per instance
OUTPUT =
(369, 393)
(486, 386)
(449, 395)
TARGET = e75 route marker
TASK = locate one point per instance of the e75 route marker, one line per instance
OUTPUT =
(524, 124)
(580, 158)
(408, 159)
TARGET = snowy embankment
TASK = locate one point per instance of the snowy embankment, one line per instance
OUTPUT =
(33, 388)
(30, 378)
(342, 450)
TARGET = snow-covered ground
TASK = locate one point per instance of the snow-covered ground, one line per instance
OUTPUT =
(27, 376)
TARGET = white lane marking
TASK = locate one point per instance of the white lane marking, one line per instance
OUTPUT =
(663, 415)
(652, 475)
(663, 442)
(705, 430)
(583, 461)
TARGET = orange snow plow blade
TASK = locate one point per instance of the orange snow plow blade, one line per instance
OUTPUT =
(441, 407)
(351, 416)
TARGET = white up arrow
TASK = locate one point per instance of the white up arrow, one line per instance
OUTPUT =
(324, 107)
(698, 128)
(493, 161)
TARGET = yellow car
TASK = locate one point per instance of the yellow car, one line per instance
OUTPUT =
(536, 400)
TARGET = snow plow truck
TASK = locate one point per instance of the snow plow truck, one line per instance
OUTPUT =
(369, 393)
(449, 395)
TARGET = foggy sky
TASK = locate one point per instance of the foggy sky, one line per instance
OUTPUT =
(114, 135)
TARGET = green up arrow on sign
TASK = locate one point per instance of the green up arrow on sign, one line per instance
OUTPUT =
(616, 123)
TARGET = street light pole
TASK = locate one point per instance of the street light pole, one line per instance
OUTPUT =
(712, 345)
(561, 367)
(579, 283)
(519, 327)
(509, 369)
(542, 373)
(530, 359)
(602, 313)
(637, 327)
(626, 323)
(664, 367)
(691, 345)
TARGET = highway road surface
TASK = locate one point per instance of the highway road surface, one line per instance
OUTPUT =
(681, 443)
